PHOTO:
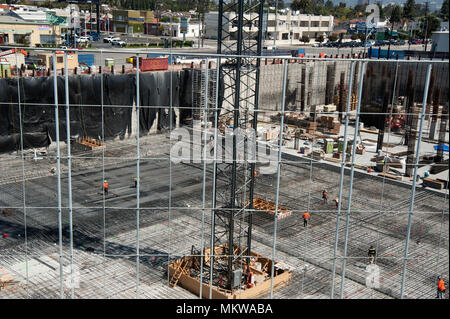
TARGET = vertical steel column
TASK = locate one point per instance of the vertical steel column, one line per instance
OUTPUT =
(341, 179)
(413, 189)
(138, 156)
(69, 170)
(216, 119)
(23, 169)
(58, 168)
(205, 122)
(103, 165)
(255, 128)
(355, 136)
(280, 143)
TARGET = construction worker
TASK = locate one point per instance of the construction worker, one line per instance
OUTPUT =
(306, 216)
(440, 288)
(325, 196)
(105, 186)
(336, 200)
(372, 253)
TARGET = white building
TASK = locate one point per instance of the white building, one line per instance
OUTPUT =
(440, 41)
(291, 26)
(192, 29)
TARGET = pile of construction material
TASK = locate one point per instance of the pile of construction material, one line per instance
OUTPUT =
(269, 208)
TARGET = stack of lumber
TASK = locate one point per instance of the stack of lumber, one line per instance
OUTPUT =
(269, 207)
(433, 183)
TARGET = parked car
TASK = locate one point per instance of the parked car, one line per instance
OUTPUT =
(401, 42)
(118, 42)
(83, 39)
(108, 39)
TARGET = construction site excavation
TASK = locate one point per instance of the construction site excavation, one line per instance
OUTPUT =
(238, 176)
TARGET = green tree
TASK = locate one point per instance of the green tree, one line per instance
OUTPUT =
(396, 15)
(354, 36)
(443, 13)
(332, 37)
(329, 5)
(430, 23)
(305, 39)
(273, 3)
(381, 11)
(320, 39)
(301, 5)
(409, 10)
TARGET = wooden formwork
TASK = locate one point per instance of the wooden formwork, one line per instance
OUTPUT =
(269, 207)
(192, 284)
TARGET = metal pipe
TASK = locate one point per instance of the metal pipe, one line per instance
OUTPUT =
(280, 143)
(58, 169)
(205, 117)
(103, 167)
(413, 189)
(341, 179)
(355, 135)
(69, 172)
(138, 157)
(216, 118)
(23, 171)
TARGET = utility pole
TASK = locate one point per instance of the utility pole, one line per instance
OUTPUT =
(276, 22)
(426, 28)
(199, 23)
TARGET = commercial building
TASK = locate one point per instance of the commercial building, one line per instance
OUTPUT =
(289, 27)
(18, 31)
(131, 21)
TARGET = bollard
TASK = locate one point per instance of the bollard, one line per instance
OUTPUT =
(62, 71)
(112, 69)
(75, 70)
(89, 70)
(99, 69)
(32, 72)
(123, 69)
(48, 72)
(265, 62)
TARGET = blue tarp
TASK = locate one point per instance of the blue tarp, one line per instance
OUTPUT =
(393, 54)
(441, 147)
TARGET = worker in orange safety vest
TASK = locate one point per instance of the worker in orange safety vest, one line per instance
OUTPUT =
(306, 217)
(105, 186)
(441, 288)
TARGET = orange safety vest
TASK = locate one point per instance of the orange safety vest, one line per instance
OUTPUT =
(441, 285)
(105, 185)
(306, 216)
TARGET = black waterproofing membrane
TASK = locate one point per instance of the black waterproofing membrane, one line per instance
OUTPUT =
(37, 109)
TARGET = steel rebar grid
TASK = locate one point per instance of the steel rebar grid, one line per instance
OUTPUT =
(355, 136)
(341, 178)
(69, 174)
(280, 143)
(413, 187)
(58, 169)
